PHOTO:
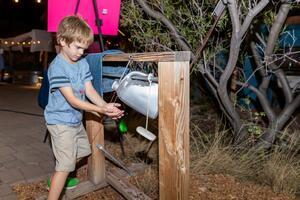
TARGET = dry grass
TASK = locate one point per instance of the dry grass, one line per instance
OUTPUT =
(147, 182)
(214, 156)
(282, 168)
(211, 153)
(282, 173)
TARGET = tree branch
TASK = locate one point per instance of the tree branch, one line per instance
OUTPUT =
(257, 59)
(288, 111)
(272, 40)
(262, 99)
(160, 17)
(252, 13)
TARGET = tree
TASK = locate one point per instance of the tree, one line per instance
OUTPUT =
(180, 25)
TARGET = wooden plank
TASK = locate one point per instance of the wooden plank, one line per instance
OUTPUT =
(173, 130)
(87, 186)
(96, 162)
(82, 189)
(151, 56)
(129, 191)
(293, 20)
(135, 168)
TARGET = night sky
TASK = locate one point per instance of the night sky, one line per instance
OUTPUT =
(18, 18)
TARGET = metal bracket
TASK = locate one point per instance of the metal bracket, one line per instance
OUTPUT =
(219, 8)
(113, 159)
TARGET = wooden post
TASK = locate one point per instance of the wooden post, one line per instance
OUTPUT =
(173, 69)
(96, 162)
(173, 130)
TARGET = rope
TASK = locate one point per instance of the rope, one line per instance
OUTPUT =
(128, 63)
(114, 97)
(148, 100)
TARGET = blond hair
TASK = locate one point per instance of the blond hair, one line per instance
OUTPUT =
(74, 28)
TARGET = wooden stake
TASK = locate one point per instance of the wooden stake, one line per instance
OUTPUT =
(96, 162)
(173, 130)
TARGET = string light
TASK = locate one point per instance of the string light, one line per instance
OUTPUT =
(37, 1)
(35, 42)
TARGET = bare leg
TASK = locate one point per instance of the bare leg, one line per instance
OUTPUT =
(57, 184)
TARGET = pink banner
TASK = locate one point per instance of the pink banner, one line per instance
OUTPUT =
(109, 12)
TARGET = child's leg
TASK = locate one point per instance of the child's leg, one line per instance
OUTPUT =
(57, 184)
(64, 147)
(83, 144)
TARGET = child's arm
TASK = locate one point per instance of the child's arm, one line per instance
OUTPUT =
(94, 97)
(106, 109)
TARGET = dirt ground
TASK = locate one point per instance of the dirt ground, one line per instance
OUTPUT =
(204, 187)
(211, 187)
(208, 187)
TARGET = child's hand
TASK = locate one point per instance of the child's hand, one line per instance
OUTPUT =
(112, 110)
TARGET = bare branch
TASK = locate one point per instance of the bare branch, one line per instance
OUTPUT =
(288, 111)
(257, 59)
(272, 39)
(252, 13)
(234, 44)
(223, 83)
(160, 17)
(262, 99)
(275, 30)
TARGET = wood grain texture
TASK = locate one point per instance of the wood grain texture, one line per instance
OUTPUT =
(96, 161)
(83, 188)
(151, 56)
(173, 130)
(124, 187)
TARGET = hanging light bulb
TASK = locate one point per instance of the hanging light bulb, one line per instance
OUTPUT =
(38, 1)
(16, 1)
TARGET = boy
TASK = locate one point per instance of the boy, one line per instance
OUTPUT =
(70, 82)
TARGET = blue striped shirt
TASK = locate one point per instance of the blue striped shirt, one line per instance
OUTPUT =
(61, 73)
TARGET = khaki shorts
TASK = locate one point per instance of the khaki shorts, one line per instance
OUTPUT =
(68, 144)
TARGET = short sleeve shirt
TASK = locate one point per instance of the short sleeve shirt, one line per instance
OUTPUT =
(61, 73)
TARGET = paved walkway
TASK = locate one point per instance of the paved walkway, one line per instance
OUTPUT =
(23, 155)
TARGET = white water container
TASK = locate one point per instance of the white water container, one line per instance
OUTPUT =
(138, 94)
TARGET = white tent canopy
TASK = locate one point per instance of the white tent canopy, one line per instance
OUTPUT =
(37, 40)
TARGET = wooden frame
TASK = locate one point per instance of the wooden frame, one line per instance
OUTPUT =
(174, 111)
(173, 74)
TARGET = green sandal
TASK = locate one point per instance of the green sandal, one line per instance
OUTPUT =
(70, 183)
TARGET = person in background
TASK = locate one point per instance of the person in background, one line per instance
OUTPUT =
(70, 84)
(2, 66)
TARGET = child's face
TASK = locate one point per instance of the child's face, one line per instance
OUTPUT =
(73, 51)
